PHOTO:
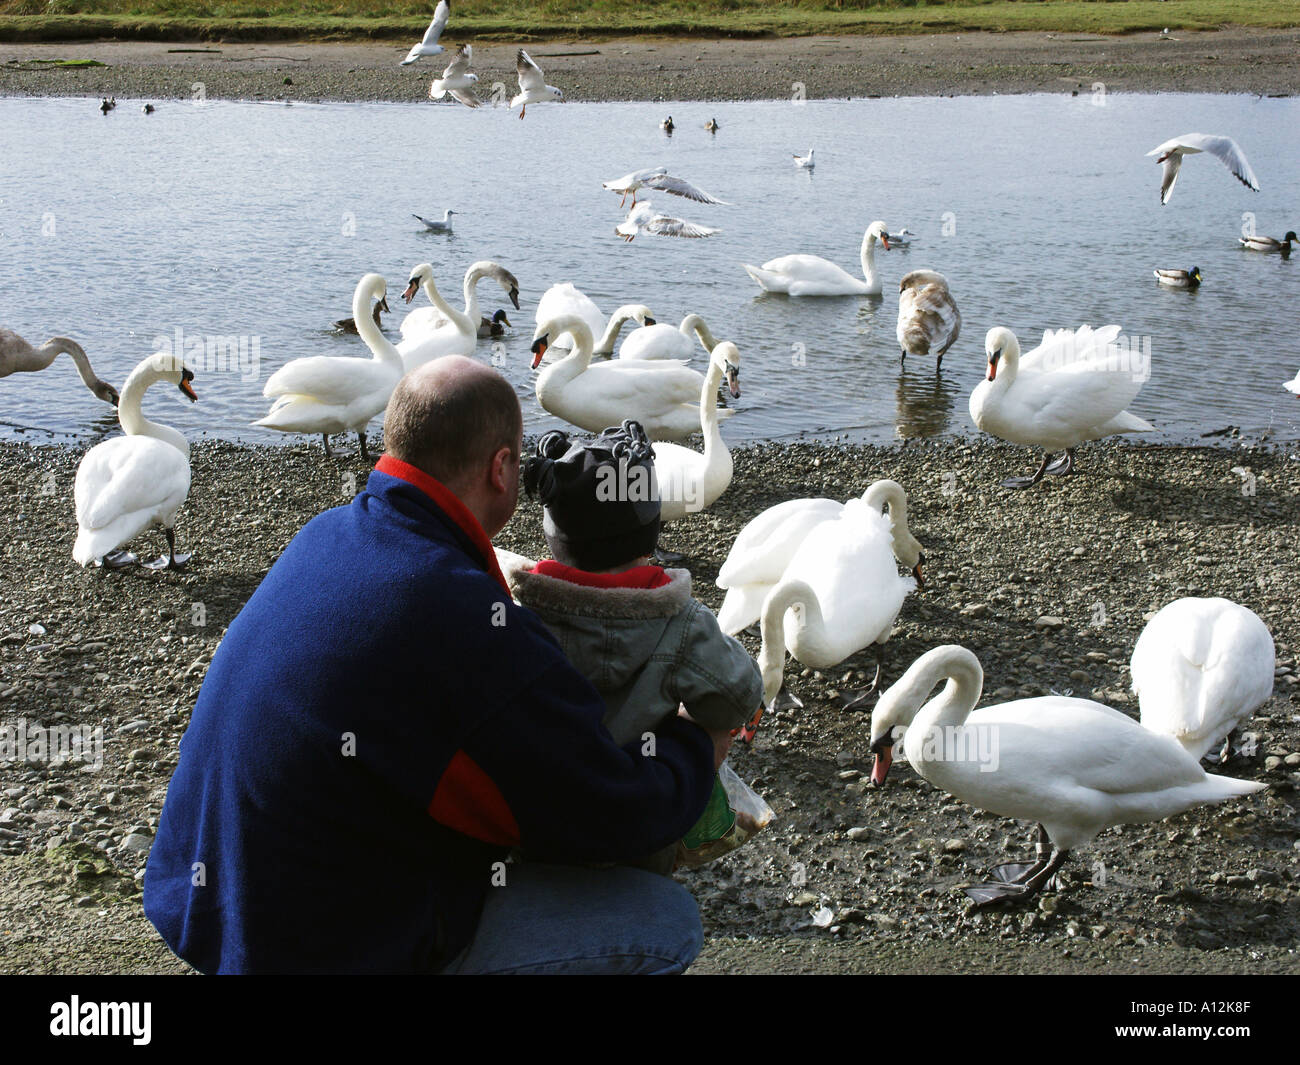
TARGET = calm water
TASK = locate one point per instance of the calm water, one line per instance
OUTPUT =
(258, 219)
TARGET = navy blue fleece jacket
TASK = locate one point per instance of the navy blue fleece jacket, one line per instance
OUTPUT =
(380, 725)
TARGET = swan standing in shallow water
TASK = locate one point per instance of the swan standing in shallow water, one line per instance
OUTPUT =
(928, 320)
(1073, 387)
(1074, 766)
(1225, 149)
(431, 332)
(130, 483)
(18, 356)
(325, 394)
(811, 275)
(689, 481)
(659, 340)
(841, 591)
(1200, 669)
(662, 395)
(1179, 278)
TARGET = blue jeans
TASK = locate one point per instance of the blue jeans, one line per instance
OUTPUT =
(565, 919)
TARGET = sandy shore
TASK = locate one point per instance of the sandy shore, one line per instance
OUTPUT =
(1230, 60)
(1049, 588)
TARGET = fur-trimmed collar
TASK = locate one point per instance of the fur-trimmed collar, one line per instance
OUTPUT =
(548, 593)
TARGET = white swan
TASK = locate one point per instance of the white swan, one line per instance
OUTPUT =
(324, 394)
(659, 340)
(689, 481)
(429, 332)
(1074, 766)
(18, 356)
(811, 275)
(661, 394)
(130, 483)
(1073, 387)
(767, 544)
(840, 593)
(1225, 149)
(565, 298)
(1200, 669)
(928, 320)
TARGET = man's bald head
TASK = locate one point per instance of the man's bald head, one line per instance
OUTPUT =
(450, 416)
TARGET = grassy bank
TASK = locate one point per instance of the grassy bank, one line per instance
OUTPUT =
(56, 20)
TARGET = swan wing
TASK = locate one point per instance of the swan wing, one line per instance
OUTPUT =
(331, 380)
(809, 275)
(420, 322)
(678, 187)
(769, 541)
(126, 475)
(928, 320)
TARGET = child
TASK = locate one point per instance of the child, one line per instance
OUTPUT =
(630, 627)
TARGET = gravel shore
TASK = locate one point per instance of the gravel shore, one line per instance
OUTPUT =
(1048, 587)
(1229, 60)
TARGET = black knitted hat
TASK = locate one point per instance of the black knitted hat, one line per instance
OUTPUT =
(600, 498)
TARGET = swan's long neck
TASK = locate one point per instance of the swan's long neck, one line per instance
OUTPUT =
(694, 324)
(890, 493)
(132, 419)
(1008, 366)
(461, 321)
(953, 705)
(771, 656)
(869, 258)
(577, 361)
(44, 355)
(368, 328)
(610, 335)
(709, 409)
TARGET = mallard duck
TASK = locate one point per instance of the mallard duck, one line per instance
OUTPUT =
(712, 125)
(1179, 278)
(349, 325)
(494, 326)
(667, 125)
(1269, 243)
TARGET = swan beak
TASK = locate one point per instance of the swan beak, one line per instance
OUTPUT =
(733, 382)
(539, 349)
(993, 365)
(188, 389)
(880, 767)
(514, 298)
(920, 580)
(412, 287)
(884, 239)
(649, 321)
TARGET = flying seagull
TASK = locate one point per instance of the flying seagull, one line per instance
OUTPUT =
(430, 45)
(657, 178)
(1225, 149)
(457, 80)
(532, 84)
(644, 217)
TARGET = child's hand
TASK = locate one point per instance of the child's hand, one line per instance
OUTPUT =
(721, 737)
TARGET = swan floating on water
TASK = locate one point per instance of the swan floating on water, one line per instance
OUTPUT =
(659, 340)
(429, 44)
(565, 298)
(1200, 669)
(1225, 149)
(928, 320)
(18, 356)
(1074, 766)
(1073, 387)
(133, 482)
(431, 332)
(326, 394)
(811, 275)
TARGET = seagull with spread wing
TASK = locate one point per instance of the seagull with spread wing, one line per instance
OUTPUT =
(458, 80)
(429, 45)
(1225, 149)
(657, 178)
(644, 217)
(532, 84)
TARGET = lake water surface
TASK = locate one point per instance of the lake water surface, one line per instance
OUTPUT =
(257, 220)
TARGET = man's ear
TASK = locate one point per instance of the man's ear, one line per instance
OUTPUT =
(502, 460)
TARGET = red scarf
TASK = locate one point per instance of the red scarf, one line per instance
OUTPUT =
(636, 577)
(450, 505)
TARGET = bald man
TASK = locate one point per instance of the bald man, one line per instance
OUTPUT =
(382, 726)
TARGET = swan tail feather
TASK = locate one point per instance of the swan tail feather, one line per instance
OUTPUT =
(766, 280)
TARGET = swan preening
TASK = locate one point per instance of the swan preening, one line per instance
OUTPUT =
(1073, 387)
(1179, 278)
(458, 80)
(1225, 149)
(18, 356)
(659, 179)
(690, 481)
(1200, 669)
(1269, 244)
(324, 394)
(429, 44)
(821, 578)
(1074, 766)
(133, 482)
(928, 320)
(659, 340)
(431, 332)
(663, 395)
(532, 84)
(811, 275)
